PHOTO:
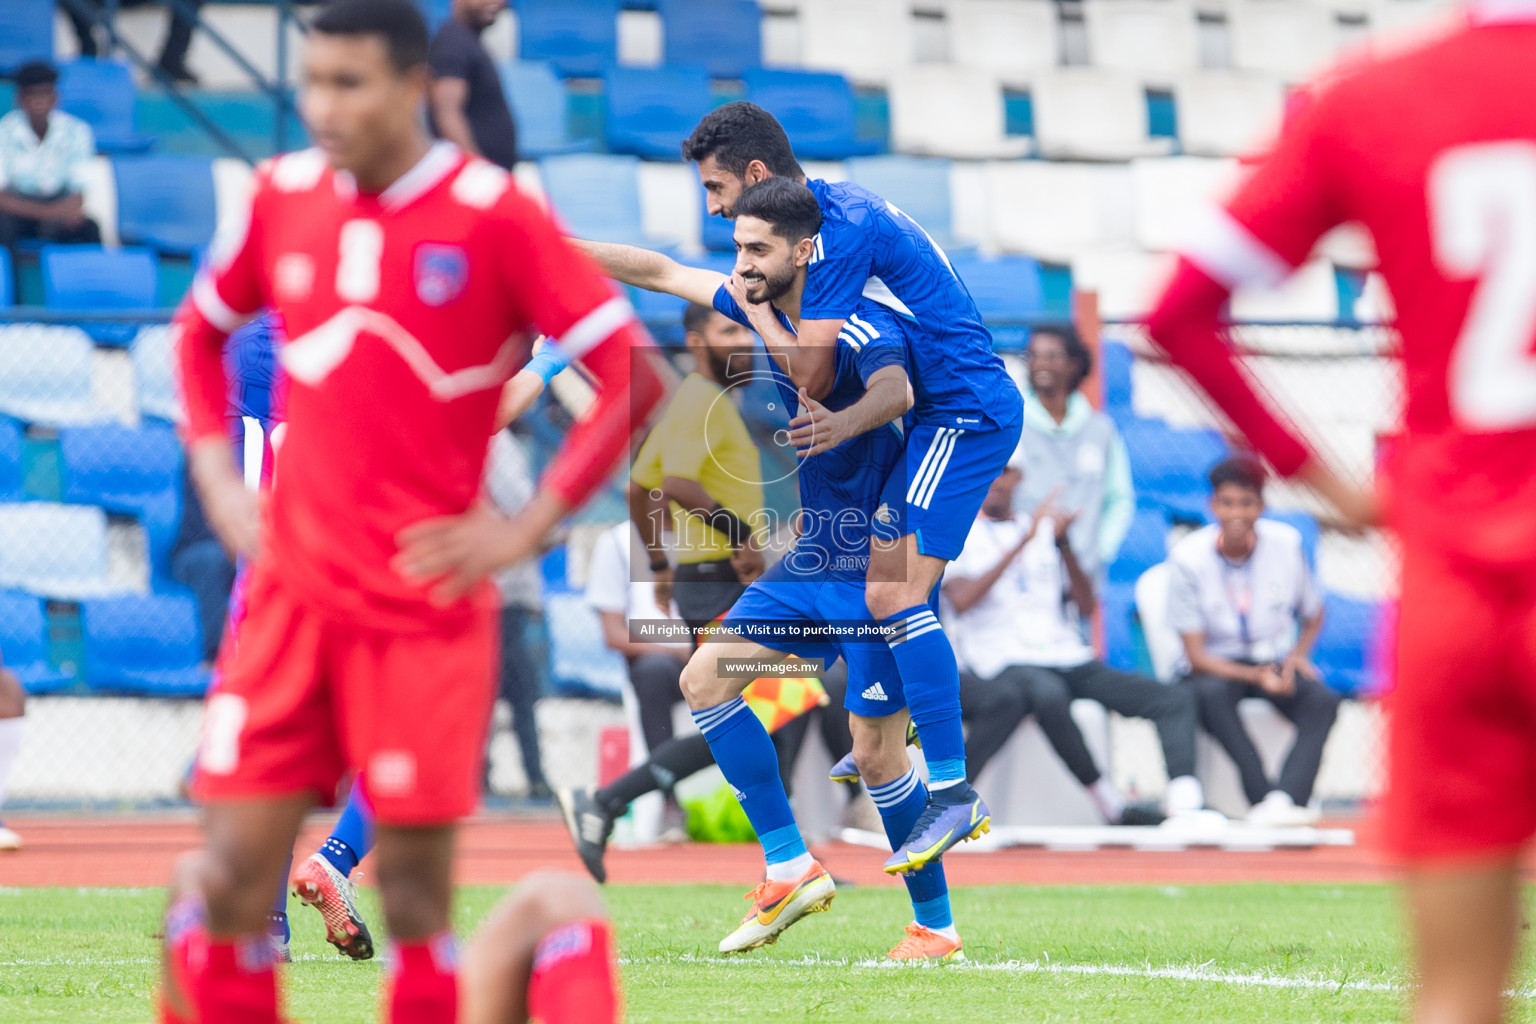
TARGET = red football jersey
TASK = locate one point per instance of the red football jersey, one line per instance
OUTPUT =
(1433, 149)
(405, 312)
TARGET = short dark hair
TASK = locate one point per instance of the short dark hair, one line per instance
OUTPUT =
(1076, 351)
(696, 316)
(738, 133)
(35, 73)
(786, 205)
(397, 22)
(1242, 470)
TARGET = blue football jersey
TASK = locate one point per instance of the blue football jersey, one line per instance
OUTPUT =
(840, 489)
(251, 366)
(870, 250)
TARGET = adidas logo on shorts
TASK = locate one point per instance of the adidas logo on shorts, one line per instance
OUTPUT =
(875, 692)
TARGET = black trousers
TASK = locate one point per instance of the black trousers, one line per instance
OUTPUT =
(1312, 708)
(206, 569)
(1048, 693)
(655, 679)
(13, 229)
(519, 687)
(173, 54)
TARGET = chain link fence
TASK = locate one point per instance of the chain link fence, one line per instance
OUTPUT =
(110, 595)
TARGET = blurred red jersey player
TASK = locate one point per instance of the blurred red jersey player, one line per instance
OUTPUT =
(1433, 149)
(410, 279)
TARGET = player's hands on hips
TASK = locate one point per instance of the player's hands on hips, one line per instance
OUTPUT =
(459, 552)
(233, 511)
(817, 429)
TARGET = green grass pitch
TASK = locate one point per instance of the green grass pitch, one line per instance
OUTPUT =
(1128, 954)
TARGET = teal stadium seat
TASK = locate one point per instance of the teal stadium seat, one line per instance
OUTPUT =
(918, 186)
(88, 277)
(816, 109)
(144, 645)
(724, 36)
(134, 472)
(538, 103)
(7, 280)
(26, 32)
(24, 639)
(166, 202)
(578, 37)
(650, 111)
(1008, 291)
(102, 94)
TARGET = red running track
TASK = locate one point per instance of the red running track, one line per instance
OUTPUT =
(498, 850)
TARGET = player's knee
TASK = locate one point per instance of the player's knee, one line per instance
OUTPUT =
(549, 899)
(879, 749)
(234, 887)
(885, 598)
(702, 687)
(187, 874)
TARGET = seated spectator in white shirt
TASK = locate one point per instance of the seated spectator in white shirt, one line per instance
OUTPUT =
(1018, 591)
(1239, 591)
(44, 153)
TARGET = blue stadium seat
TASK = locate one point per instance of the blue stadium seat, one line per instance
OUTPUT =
(1145, 544)
(24, 639)
(1168, 466)
(11, 469)
(578, 37)
(816, 109)
(54, 550)
(650, 111)
(146, 645)
(597, 196)
(102, 94)
(7, 279)
(1007, 290)
(725, 36)
(26, 32)
(88, 277)
(1122, 640)
(47, 375)
(662, 313)
(1115, 361)
(538, 103)
(1306, 525)
(153, 374)
(166, 202)
(130, 472)
(1346, 646)
(580, 664)
(919, 186)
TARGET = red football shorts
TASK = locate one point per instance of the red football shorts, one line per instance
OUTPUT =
(1462, 716)
(303, 698)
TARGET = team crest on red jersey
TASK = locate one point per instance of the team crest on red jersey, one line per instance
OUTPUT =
(442, 271)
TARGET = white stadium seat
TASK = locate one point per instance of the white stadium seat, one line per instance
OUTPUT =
(1396, 18)
(100, 198)
(1128, 281)
(946, 110)
(1281, 37)
(1312, 293)
(1057, 211)
(1155, 39)
(1227, 113)
(47, 376)
(1013, 39)
(671, 203)
(1166, 192)
(57, 551)
(154, 377)
(864, 39)
(1088, 114)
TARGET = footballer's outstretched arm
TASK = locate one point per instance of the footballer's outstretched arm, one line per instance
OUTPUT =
(654, 272)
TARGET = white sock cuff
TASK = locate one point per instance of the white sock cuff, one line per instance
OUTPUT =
(893, 793)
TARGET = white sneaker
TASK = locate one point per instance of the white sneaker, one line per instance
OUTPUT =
(9, 840)
(1277, 810)
(1201, 822)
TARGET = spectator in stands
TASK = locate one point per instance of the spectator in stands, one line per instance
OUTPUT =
(12, 709)
(43, 157)
(1066, 444)
(1238, 591)
(1018, 589)
(178, 38)
(467, 105)
(200, 563)
(510, 483)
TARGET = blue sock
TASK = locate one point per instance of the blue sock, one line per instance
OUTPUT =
(352, 838)
(746, 756)
(922, 652)
(277, 917)
(901, 804)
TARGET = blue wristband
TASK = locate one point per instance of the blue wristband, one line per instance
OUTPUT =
(547, 362)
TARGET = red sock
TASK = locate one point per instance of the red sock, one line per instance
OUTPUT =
(186, 953)
(574, 980)
(239, 985)
(423, 988)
